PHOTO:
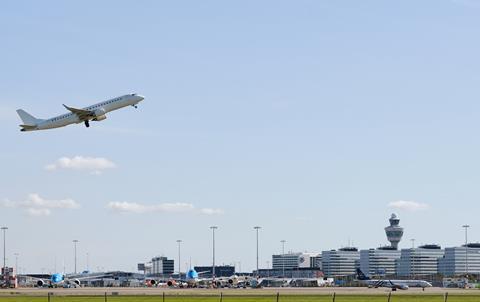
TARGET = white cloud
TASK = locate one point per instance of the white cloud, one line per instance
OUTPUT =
(35, 205)
(134, 207)
(178, 207)
(80, 163)
(39, 212)
(408, 205)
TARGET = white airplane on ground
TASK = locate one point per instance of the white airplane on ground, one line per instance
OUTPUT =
(95, 112)
(61, 280)
(311, 282)
(393, 284)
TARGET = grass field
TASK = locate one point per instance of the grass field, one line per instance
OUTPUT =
(246, 298)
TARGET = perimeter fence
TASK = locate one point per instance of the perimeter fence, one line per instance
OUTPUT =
(228, 297)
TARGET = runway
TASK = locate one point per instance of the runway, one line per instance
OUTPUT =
(134, 291)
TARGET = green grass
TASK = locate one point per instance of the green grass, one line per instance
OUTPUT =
(246, 298)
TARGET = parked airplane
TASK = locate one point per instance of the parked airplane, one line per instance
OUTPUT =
(393, 284)
(60, 280)
(191, 280)
(233, 281)
(311, 282)
(95, 112)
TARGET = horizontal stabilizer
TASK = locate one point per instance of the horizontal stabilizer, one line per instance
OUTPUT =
(28, 127)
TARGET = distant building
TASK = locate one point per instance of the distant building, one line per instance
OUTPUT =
(286, 261)
(296, 260)
(220, 271)
(454, 262)
(419, 261)
(341, 262)
(301, 272)
(380, 261)
(161, 266)
(316, 261)
(394, 231)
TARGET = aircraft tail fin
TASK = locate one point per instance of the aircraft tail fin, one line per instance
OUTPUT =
(361, 275)
(27, 118)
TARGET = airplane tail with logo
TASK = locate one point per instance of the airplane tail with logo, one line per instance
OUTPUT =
(361, 275)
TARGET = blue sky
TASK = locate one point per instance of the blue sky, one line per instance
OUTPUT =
(308, 118)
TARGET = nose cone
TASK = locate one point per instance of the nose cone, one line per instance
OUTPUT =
(140, 97)
(57, 278)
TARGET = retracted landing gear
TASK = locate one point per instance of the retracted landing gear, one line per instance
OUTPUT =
(135, 106)
(87, 124)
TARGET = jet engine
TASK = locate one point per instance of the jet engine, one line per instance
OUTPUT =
(99, 115)
(40, 283)
(151, 282)
(77, 282)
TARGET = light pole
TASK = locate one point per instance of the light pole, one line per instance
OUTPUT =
(213, 244)
(75, 249)
(179, 268)
(237, 264)
(256, 229)
(283, 258)
(4, 229)
(16, 263)
(413, 258)
(466, 226)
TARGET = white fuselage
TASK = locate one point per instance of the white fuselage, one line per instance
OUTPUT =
(402, 284)
(102, 108)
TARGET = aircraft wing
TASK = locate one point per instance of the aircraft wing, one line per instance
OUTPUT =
(81, 113)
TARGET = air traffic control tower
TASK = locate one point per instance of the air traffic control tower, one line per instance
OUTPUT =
(394, 231)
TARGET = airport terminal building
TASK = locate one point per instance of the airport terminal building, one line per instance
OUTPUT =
(460, 260)
(220, 271)
(296, 260)
(419, 261)
(159, 266)
(380, 261)
(341, 262)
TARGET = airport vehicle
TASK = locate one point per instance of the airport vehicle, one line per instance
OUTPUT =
(95, 112)
(393, 284)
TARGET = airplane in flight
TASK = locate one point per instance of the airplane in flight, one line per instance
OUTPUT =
(393, 284)
(95, 112)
